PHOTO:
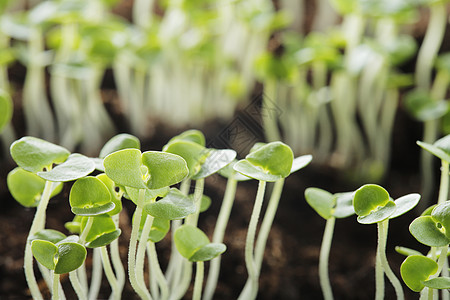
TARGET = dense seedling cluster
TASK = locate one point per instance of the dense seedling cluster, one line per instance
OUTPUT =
(147, 179)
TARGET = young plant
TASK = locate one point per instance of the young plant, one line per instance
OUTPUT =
(38, 156)
(270, 162)
(328, 206)
(373, 205)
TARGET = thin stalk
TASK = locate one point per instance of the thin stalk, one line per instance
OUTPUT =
(96, 278)
(81, 293)
(379, 278)
(219, 232)
(82, 276)
(156, 268)
(443, 187)
(55, 287)
(86, 230)
(37, 224)
(382, 240)
(140, 257)
(116, 292)
(117, 264)
(141, 291)
(249, 244)
(323, 261)
(198, 283)
(269, 113)
(192, 219)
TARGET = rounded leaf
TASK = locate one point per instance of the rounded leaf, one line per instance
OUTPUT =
(124, 168)
(215, 161)
(228, 172)
(275, 158)
(103, 231)
(45, 252)
(439, 149)
(439, 283)
(344, 205)
(208, 252)
(192, 135)
(89, 196)
(76, 166)
(6, 109)
(441, 214)
(175, 205)
(426, 231)
(416, 269)
(35, 155)
(424, 108)
(193, 153)
(405, 204)
(205, 202)
(189, 239)
(104, 239)
(380, 214)
(300, 162)
(49, 235)
(115, 191)
(368, 198)
(120, 142)
(165, 169)
(160, 228)
(149, 195)
(248, 169)
(321, 201)
(70, 257)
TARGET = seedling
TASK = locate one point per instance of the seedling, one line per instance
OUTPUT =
(6, 109)
(270, 162)
(328, 206)
(373, 204)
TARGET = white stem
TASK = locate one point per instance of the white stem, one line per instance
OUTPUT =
(81, 293)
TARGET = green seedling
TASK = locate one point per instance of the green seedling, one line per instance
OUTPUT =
(6, 109)
(195, 246)
(267, 162)
(143, 171)
(328, 206)
(39, 157)
(373, 204)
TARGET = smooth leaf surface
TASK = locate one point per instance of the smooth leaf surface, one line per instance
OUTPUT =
(149, 195)
(193, 153)
(70, 257)
(247, 169)
(189, 239)
(440, 283)
(344, 205)
(205, 202)
(228, 172)
(405, 204)
(165, 169)
(406, 251)
(115, 191)
(300, 162)
(380, 214)
(160, 228)
(34, 155)
(120, 142)
(441, 214)
(321, 201)
(103, 231)
(275, 158)
(104, 239)
(416, 269)
(89, 196)
(76, 166)
(45, 253)
(124, 168)
(208, 252)
(368, 198)
(175, 205)
(192, 135)
(50, 235)
(215, 161)
(441, 153)
(426, 231)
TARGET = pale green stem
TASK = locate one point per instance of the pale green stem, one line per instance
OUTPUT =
(323, 261)
(443, 187)
(140, 257)
(117, 264)
(382, 240)
(249, 244)
(198, 283)
(185, 280)
(156, 269)
(37, 224)
(81, 293)
(269, 113)
(192, 219)
(142, 13)
(55, 287)
(141, 291)
(116, 294)
(82, 276)
(379, 278)
(96, 278)
(219, 232)
(426, 158)
(86, 230)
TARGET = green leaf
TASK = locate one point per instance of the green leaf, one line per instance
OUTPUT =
(344, 205)
(275, 158)
(6, 109)
(45, 253)
(205, 202)
(103, 231)
(420, 104)
(104, 239)
(208, 252)
(380, 214)
(70, 257)
(439, 149)
(300, 162)
(370, 198)
(27, 187)
(35, 155)
(124, 168)
(120, 142)
(407, 251)
(76, 166)
(174, 206)
(74, 226)
(441, 214)
(416, 269)
(89, 196)
(215, 161)
(247, 169)
(165, 169)
(149, 195)
(48, 235)
(426, 230)
(160, 227)
(321, 201)
(115, 191)
(192, 135)
(189, 239)
(193, 153)
(228, 172)
(440, 283)
(405, 204)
